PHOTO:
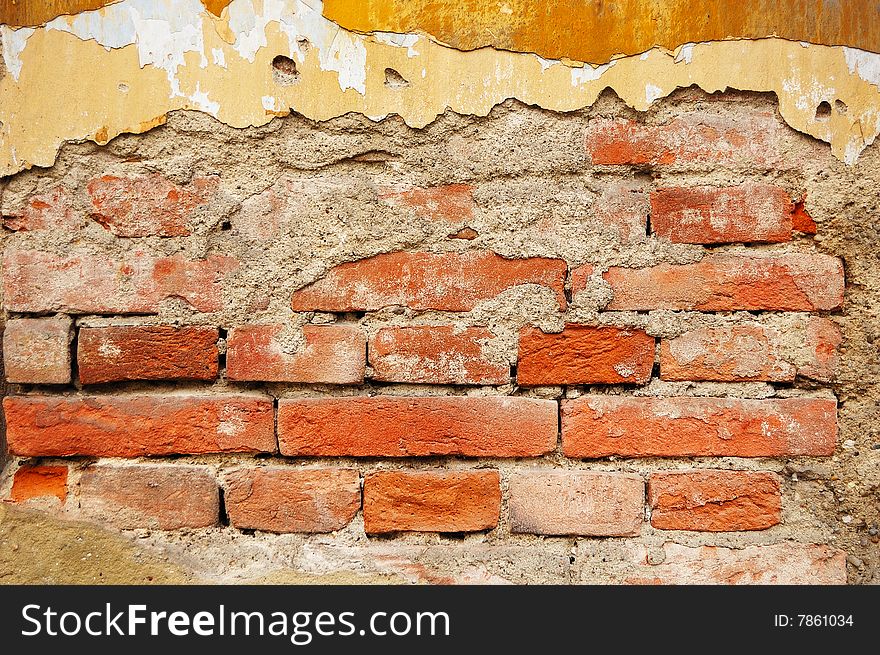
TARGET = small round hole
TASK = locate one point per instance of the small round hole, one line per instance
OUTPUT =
(823, 111)
(840, 106)
(284, 70)
(394, 80)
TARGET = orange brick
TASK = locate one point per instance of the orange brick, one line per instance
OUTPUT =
(436, 354)
(582, 354)
(431, 501)
(714, 501)
(278, 499)
(166, 496)
(46, 211)
(748, 213)
(791, 282)
(576, 503)
(451, 281)
(148, 206)
(331, 354)
(146, 352)
(600, 426)
(138, 425)
(397, 426)
(39, 482)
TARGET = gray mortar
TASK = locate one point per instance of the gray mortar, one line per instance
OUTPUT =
(527, 165)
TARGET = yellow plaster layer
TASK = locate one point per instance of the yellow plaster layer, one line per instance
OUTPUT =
(596, 31)
(122, 69)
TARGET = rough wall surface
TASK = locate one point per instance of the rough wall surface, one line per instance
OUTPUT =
(594, 346)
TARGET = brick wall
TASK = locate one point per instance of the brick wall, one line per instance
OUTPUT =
(605, 336)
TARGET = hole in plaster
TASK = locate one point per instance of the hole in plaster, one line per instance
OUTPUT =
(840, 106)
(284, 70)
(394, 80)
(303, 44)
(823, 111)
(122, 86)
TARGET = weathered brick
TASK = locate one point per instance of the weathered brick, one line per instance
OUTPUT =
(46, 211)
(751, 352)
(138, 425)
(331, 354)
(91, 284)
(600, 426)
(435, 354)
(39, 482)
(714, 501)
(749, 213)
(431, 501)
(582, 354)
(146, 352)
(277, 499)
(446, 202)
(690, 138)
(790, 282)
(148, 206)
(37, 350)
(420, 280)
(166, 496)
(625, 207)
(576, 503)
(783, 563)
(392, 426)
(801, 219)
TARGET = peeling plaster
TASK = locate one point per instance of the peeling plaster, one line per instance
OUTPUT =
(157, 56)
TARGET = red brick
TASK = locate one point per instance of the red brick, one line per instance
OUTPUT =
(447, 202)
(91, 284)
(39, 482)
(600, 426)
(277, 499)
(801, 219)
(146, 352)
(420, 280)
(331, 354)
(148, 206)
(166, 496)
(138, 425)
(748, 213)
(751, 352)
(692, 138)
(580, 277)
(714, 501)
(46, 211)
(576, 503)
(431, 501)
(37, 350)
(582, 354)
(392, 426)
(435, 354)
(791, 282)
(822, 341)
(784, 563)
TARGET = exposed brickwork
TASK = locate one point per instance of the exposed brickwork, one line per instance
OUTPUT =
(37, 350)
(448, 202)
(167, 497)
(155, 352)
(450, 282)
(387, 426)
(447, 501)
(333, 354)
(434, 354)
(599, 426)
(39, 482)
(715, 501)
(135, 426)
(583, 354)
(277, 499)
(576, 503)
